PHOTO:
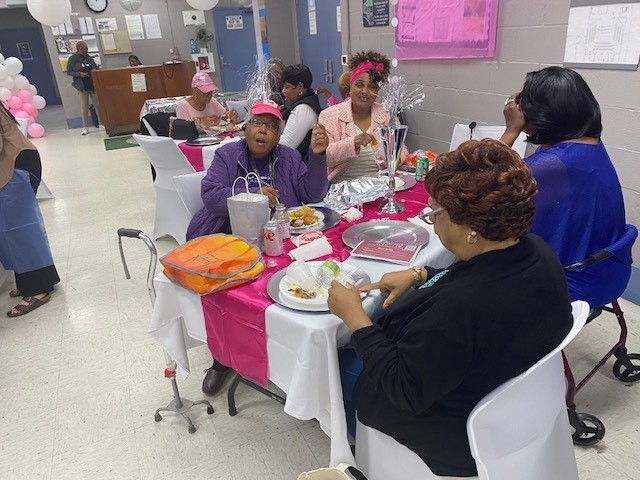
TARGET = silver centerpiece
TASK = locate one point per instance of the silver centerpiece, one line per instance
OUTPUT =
(392, 138)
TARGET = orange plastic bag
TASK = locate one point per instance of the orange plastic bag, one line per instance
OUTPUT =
(213, 262)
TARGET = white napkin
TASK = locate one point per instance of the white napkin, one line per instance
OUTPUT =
(352, 215)
(315, 249)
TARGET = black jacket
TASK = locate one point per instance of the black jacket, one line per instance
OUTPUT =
(311, 99)
(441, 349)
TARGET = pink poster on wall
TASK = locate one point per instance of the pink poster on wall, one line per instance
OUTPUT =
(432, 29)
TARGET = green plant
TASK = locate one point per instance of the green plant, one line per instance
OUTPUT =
(203, 37)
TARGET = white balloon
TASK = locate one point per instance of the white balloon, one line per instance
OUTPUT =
(38, 102)
(203, 4)
(50, 12)
(13, 65)
(5, 93)
(21, 81)
(241, 3)
(8, 83)
(33, 89)
(1, 59)
(131, 5)
(3, 72)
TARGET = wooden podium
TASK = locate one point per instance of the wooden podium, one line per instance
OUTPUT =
(121, 100)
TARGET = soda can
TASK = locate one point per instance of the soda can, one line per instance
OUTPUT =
(422, 167)
(272, 241)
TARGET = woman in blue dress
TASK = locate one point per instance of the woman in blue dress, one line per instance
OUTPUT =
(579, 207)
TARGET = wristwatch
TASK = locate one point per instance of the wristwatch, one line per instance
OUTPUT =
(417, 276)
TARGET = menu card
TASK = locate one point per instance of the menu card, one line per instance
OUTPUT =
(389, 252)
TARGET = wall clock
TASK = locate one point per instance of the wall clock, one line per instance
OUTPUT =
(97, 6)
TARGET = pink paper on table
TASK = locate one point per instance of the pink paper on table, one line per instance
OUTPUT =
(438, 30)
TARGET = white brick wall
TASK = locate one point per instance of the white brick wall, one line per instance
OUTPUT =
(531, 35)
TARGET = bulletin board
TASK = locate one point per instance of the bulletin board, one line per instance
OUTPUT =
(115, 42)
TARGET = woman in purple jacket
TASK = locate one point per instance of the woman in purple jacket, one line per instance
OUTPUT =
(282, 172)
(283, 176)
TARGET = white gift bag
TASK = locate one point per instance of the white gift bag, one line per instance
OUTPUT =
(337, 473)
(248, 212)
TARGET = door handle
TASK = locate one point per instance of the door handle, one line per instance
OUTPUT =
(223, 63)
(330, 70)
(326, 73)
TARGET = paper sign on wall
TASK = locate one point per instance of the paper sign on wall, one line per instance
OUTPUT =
(138, 82)
(313, 25)
(134, 27)
(234, 22)
(152, 26)
(106, 24)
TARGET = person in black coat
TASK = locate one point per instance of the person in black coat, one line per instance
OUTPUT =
(465, 330)
(301, 108)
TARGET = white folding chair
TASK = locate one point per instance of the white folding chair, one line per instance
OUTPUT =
(188, 187)
(171, 217)
(520, 430)
(23, 123)
(43, 192)
(462, 133)
(241, 106)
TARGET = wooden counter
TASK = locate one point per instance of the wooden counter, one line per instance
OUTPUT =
(120, 106)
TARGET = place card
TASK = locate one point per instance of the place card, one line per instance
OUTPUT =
(389, 252)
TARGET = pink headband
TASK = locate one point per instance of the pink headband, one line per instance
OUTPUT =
(365, 67)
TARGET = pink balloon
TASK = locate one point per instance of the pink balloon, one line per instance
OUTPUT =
(30, 109)
(31, 120)
(15, 103)
(21, 114)
(25, 95)
(35, 130)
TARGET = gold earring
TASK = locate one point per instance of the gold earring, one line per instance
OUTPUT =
(472, 238)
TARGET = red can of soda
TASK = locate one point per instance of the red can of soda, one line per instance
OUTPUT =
(272, 240)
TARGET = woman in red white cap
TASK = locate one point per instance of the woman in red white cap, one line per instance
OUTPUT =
(351, 125)
(201, 107)
(283, 175)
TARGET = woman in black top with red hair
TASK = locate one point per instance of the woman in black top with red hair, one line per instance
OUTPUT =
(466, 329)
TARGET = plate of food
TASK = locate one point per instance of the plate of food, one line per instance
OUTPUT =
(289, 294)
(204, 141)
(328, 218)
(225, 128)
(304, 218)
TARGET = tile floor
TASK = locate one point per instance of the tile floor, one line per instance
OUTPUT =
(81, 378)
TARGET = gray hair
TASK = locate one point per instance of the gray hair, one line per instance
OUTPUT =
(281, 123)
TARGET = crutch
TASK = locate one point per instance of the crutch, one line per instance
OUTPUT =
(178, 404)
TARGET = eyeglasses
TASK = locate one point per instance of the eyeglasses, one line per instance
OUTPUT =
(271, 126)
(428, 214)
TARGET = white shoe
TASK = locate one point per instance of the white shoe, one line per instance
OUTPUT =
(84, 131)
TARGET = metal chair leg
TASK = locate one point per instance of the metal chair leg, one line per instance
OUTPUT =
(237, 380)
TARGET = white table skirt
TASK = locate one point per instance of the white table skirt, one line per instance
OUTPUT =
(301, 346)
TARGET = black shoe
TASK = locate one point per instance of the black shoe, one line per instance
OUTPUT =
(213, 380)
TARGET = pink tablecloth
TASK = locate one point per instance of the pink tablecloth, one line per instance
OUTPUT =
(193, 154)
(235, 318)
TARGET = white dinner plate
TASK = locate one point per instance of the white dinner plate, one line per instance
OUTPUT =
(274, 289)
(319, 216)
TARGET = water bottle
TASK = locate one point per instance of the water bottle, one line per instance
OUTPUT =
(282, 217)
(194, 49)
(327, 272)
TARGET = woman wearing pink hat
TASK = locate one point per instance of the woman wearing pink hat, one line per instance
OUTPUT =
(201, 107)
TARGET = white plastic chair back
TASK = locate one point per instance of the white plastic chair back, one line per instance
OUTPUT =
(381, 457)
(43, 192)
(152, 132)
(188, 187)
(23, 123)
(521, 429)
(171, 217)
(241, 106)
(462, 133)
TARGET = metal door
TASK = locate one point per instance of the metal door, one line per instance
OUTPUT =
(320, 51)
(236, 39)
(35, 60)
